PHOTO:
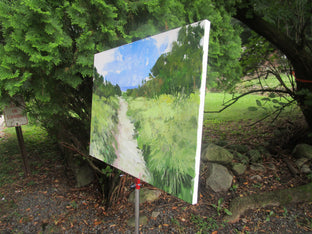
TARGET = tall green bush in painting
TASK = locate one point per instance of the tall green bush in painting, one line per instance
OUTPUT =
(180, 69)
(166, 128)
(105, 105)
(104, 123)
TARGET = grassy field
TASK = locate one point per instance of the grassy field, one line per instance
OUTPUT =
(269, 82)
(167, 130)
(38, 145)
(103, 126)
(246, 108)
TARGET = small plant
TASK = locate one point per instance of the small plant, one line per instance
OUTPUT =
(30, 183)
(204, 224)
(278, 178)
(220, 208)
(234, 187)
(177, 224)
(268, 218)
(107, 171)
(73, 204)
(309, 222)
(257, 185)
(285, 213)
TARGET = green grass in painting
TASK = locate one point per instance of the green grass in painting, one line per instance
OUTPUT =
(103, 126)
(167, 130)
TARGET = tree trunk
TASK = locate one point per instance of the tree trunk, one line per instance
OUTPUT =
(303, 93)
(273, 198)
(299, 56)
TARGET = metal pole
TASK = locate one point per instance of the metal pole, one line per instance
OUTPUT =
(20, 139)
(137, 205)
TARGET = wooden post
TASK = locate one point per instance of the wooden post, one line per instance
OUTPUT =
(21, 144)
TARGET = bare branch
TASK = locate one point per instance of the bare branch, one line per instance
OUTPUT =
(87, 157)
(278, 111)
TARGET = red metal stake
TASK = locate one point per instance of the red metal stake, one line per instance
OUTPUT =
(137, 205)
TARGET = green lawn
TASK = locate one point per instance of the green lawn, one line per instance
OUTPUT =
(270, 82)
(241, 109)
(39, 147)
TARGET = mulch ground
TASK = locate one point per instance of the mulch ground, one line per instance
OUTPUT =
(49, 202)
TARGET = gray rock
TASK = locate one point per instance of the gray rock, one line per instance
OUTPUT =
(301, 161)
(277, 132)
(218, 179)
(146, 195)
(215, 153)
(302, 151)
(155, 214)
(257, 167)
(305, 169)
(256, 177)
(239, 168)
(84, 175)
(142, 221)
(271, 166)
(255, 155)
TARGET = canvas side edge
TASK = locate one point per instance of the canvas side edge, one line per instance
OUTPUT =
(206, 25)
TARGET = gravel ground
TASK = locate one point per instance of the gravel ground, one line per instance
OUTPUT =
(49, 202)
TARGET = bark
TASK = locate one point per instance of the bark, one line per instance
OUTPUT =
(274, 198)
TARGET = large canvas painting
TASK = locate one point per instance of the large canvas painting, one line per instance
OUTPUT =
(147, 108)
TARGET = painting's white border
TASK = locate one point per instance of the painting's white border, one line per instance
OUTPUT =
(204, 42)
(206, 26)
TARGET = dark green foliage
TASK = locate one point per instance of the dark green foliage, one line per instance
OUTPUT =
(47, 48)
(224, 69)
(47, 57)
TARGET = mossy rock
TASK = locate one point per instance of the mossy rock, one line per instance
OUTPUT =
(146, 195)
(302, 151)
(239, 168)
(215, 153)
(142, 221)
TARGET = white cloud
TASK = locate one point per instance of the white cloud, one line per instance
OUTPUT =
(166, 38)
(102, 58)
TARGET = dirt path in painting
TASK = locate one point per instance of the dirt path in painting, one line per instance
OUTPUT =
(129, 156)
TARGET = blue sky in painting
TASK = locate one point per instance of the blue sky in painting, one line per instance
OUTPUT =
(130, 64)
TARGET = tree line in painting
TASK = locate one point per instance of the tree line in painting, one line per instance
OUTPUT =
(164, 110)
(178, 71)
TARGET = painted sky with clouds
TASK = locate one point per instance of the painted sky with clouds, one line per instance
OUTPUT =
(130, 64)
